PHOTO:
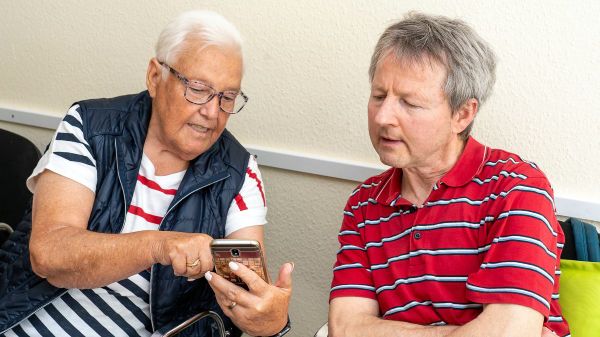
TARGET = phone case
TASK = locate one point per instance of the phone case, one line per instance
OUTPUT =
(247, 252)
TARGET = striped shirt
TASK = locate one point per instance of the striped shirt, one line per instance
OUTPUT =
(487, 233)
(121, 308)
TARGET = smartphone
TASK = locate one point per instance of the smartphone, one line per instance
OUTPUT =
(246, 252)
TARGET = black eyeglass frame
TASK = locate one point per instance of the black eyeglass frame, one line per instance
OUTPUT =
(186, 82)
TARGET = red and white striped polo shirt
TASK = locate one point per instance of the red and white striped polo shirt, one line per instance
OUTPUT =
(487, 233)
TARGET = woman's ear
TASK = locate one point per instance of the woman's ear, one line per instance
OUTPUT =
(465, 115)
(153, 76)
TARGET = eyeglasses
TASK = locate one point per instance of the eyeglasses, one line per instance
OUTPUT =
(199, 93)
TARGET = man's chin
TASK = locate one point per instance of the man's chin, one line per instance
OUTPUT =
(193, 154)
(390, 160)
(386, 161)
(194, 147)
(191, 151)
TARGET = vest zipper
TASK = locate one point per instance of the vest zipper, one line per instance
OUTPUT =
(190, 193)
(122, 188)
(123, 225)
(161, 222)
(159, 226)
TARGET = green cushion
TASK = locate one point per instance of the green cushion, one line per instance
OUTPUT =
(580, 297)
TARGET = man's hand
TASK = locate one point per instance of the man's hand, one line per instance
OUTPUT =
(504, 320)
(359, 317)
(188, 253)
(263, 309)
(356, 316)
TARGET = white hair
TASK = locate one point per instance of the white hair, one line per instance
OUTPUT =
(204, 27)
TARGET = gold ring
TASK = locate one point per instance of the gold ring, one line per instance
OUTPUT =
(232, 305)
(193, 264)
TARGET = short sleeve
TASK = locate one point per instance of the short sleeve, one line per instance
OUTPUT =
(68, 154)
(249, 207)
(351, 273)
(520, 265)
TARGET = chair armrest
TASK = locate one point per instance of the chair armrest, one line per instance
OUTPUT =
(323, 331)
(177, 329)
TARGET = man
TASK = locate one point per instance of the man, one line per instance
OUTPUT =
(128, 197)
(456, 238)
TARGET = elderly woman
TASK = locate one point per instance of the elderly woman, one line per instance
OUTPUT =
(128, 197)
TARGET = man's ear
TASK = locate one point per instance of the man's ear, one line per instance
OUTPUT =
(153, 76)
(465, 115)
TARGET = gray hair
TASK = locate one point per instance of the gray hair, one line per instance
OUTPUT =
(206, 27)
(469, 61)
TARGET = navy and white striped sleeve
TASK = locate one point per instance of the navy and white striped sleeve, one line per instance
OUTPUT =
(69, 154)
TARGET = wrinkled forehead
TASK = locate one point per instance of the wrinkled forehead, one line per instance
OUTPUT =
(192, 47)
(216, 66)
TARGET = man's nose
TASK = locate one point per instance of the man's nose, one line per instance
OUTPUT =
(211, 108)
(387, 112)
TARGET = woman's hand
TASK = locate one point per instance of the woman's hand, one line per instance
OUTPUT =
(262, 310)
(188, 253)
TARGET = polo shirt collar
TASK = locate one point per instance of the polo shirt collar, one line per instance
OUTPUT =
(469, 164)
(391, 184)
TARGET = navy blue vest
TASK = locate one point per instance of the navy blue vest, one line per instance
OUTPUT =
(116, 129)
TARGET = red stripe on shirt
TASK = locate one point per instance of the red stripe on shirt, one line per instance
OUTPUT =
(240, 203)
(153, 185)
(148, 217)
(258, 183)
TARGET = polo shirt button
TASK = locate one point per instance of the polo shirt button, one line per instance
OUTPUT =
(417, 235)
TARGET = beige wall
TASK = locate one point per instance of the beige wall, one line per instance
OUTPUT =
(306, 76)
(306, 70)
